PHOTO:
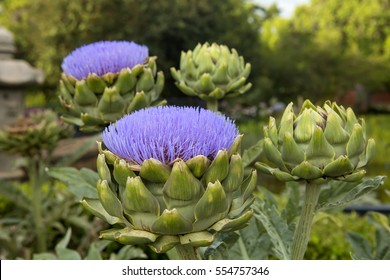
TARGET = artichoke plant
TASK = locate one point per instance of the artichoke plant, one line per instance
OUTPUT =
(212, 72)
(171, 176)
(318, 144)
(105, 80)
(34, 133)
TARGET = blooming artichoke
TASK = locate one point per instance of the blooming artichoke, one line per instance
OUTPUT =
(169, 176)
(34, 133)
(318, 144)
(103, 81)
(212, 72)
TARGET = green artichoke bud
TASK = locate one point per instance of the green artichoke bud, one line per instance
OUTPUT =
(35, 133)
(174, 197)
(119, 79)
(318, 144)
(212, 72)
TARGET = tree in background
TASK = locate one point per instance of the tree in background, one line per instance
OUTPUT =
(326, 48)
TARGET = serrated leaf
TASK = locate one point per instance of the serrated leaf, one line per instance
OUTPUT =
(339, 194)
(252, 153)
(81, 183)
(382, 234)
(293, 206)
(280, 233)
(382, 238)
(254, 243)
(220, 248)
(361, 247)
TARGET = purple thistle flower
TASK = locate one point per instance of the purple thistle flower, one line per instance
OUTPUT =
(169, 132)
(103, 57)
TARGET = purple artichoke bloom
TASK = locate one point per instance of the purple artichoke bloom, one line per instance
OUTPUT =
(167, 133)
(103, 57)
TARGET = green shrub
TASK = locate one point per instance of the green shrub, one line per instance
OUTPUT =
(328, 238)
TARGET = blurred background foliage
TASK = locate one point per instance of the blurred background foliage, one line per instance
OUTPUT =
(326, 49)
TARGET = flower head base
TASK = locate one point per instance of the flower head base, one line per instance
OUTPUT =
(104, 57)
(168, 133)
(105, 80)
(318, 144)
(212, 72)
(164, 186)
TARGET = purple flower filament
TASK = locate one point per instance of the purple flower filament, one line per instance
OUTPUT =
(167, 133)
(103, 57)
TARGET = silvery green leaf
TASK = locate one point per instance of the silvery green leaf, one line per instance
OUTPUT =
(293, 206)
(382, 244)
(220, 249)
(361, 247)
(382, 223)
(338, 194)
(280, 233)
(81, 183)
(254, 243)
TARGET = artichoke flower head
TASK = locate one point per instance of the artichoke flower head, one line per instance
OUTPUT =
(34, 134)
(212, 72)
(318, 144)
(171, 175)
(105, 80)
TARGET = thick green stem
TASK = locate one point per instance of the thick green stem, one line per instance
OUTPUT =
(35, 175)
(302, 232)
(212, 105)
(187, 252)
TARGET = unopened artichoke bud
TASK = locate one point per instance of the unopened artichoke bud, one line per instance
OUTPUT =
(35, 133)
(103, 81)
(171, 175)
(318, 144)
(212, 72)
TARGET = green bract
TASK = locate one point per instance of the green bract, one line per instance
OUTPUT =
(212, 72)
(96, 101)
(163, 205)
(318, 144)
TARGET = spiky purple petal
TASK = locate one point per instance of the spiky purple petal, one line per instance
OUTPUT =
(169, 132)
(103, 57)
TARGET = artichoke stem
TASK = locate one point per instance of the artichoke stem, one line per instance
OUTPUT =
(302, 232)
(187, 252)
(212, 105)
(35, 170)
